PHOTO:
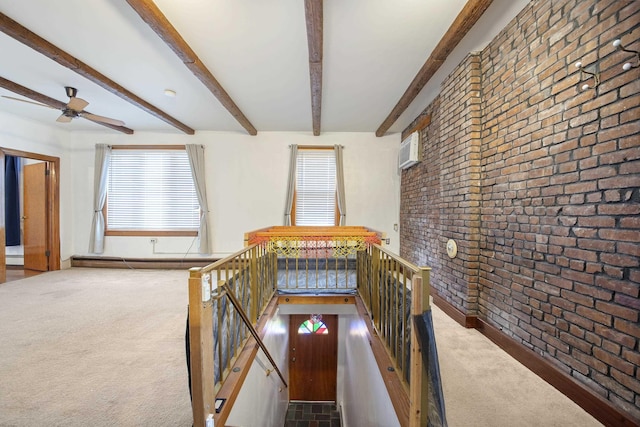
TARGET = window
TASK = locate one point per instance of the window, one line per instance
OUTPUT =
(313, 325)
(151, 190)
(315, 195)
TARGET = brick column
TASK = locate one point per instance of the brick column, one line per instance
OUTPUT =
(440, 198)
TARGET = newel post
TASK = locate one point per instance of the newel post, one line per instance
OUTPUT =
(419, 384)
(201, 345)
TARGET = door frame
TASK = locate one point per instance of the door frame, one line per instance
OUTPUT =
(53, 207)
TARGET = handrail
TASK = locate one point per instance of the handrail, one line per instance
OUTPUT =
(218, 333)
(224, 290)
(287, 233)
(253, 331)
(408, 264)
(394, 291)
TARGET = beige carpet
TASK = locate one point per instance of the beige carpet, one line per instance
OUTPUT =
(484, 386)
(87, 347)
(96, 347)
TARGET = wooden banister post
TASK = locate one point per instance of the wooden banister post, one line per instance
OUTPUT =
(419, 384)
(255, 295)
(201, 348)
(274, 269)
(375, 286)
(426, 288)
(361, 257)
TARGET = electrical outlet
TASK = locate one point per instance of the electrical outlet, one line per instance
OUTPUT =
(388, 241)
(153, 241)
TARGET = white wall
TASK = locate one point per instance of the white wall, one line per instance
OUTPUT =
(246, 185)
(361, 391)
(362, 395)
(263, 400)
(246, 181)
(26, 135)
(493, 21)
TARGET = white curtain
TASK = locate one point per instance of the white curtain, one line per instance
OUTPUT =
(291, 185)
(342, 206)
(197, 162)
(100, 176)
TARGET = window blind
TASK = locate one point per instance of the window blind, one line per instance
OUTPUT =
(151, 190)
(316, 188)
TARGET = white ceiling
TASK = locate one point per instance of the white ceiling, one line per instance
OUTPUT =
(256, 49)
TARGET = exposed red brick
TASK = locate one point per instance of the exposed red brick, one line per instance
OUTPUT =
(618, 311)
(627, 327)
(628, 301)
(613, 360)
(632, 128)
(623, 181)
(538, 182)
(614, 335)
(620, 260)
(631, 356)
(618, 234)
(595, 315)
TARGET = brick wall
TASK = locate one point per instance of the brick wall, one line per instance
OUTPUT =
(539, 183)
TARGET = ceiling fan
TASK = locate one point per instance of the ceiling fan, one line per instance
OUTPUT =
(74, 108)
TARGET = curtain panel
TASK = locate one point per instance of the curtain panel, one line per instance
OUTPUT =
(100, 176)
(291, 184)
(197, 162)
(342, 206)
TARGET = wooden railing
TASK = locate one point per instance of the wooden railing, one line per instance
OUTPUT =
(392, 289)
(218, 329)
(315, 259)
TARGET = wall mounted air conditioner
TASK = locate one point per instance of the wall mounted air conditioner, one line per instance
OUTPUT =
(409, 153)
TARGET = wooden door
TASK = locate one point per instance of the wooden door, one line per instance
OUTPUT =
(35, 217)
(313, 358)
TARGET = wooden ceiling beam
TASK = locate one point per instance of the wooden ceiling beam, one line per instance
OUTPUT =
(35, 42)
(44, 99)
(154, 17)
(420, 124)
(466, 19)
(313, 17)
(31, 94)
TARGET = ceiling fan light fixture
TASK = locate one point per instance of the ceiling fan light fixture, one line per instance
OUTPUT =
(71, 91)
(170, 93)
(68, 112)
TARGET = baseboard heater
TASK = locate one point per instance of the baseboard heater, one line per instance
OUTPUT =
(144, 263)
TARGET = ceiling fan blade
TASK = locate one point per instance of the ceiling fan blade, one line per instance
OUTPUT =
(29, 102)
(77, 104)
(63, 119)
(102, 119)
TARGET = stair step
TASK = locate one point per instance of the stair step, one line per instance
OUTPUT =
(303, 414)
